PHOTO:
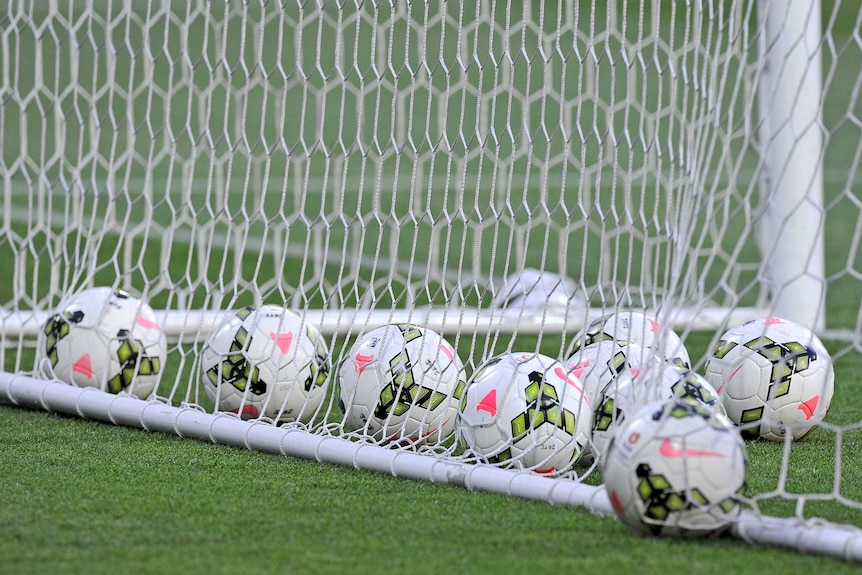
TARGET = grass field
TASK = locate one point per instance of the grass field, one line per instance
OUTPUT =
(212, 166)
(85, 496)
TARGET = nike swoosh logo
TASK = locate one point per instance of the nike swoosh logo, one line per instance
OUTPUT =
(668, 449)
(362, 362)
(561, 373)
(578, 370)
(147, 324)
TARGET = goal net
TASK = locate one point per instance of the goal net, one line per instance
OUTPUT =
(499, 172)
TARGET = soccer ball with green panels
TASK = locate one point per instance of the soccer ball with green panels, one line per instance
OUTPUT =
(774, 376)
(401, 384)
(525, 410)
(266, 362)
(676, 468)
(107, 339)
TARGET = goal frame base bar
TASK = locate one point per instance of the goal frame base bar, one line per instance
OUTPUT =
(191, 325)
(226, 429)
(809, 536)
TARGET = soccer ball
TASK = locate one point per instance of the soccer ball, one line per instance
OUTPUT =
(660, 381)
(107, 339)
(598, 364)
(774, 378)
(532, 290)
(676, 468)
(266, 362)
(632, 326)
(401, 383)
(526, 410)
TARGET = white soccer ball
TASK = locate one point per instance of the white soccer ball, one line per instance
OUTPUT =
(631, 326)
(107, 339)
(598, 364)
(526, 410)
(266, 362)
(676, 468)
(401, 383)
(632, 389)
(774, 378)
(532, 290)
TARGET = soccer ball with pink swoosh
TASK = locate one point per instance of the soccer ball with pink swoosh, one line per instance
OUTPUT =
(525, 410)
(266, 362)
(104, 338)
(599, 364)
(401, 384)
(633, 327)
(774, 377)
(634, 388)
(676, 468)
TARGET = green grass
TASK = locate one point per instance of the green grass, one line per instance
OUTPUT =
(81, 496)
(86, 496)
(221, 190)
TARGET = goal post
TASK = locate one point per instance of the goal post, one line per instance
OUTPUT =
(794, 217)
(502, 173)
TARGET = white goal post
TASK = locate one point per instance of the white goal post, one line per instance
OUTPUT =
(791, 97)
(500, 172)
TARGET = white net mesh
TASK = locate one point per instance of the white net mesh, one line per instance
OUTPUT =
(371, 163)
(385, 155)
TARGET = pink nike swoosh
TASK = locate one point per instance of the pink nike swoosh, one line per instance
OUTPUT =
(362, 362)
(667, 449)
(561, 373)
(147, 324)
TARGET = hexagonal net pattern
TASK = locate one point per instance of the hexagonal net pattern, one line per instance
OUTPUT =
(380, 154)
(365, 163)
